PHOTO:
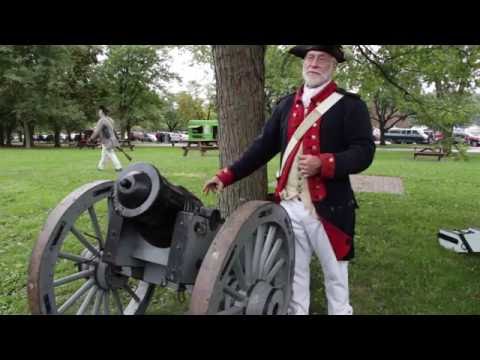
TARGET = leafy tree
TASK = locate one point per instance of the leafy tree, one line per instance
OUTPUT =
(45, 87)
(129, 76)
(283, 74)
(432, 83)
(189, 107)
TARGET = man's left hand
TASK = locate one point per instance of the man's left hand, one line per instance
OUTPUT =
(310, 165)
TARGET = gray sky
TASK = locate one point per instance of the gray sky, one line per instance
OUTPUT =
(182, 65)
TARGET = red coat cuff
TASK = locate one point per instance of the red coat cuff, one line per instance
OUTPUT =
(226, 176)
(328, 166)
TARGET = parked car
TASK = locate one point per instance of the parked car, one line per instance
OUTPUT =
(472, 136)
(148, 137)
(163, 137)
(184, 136)
(136, 136)
(152, 137)
(176, 138)
(458, 136)
(408, 136)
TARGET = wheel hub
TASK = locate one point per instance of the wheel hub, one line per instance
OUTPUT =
(102, 275)
(105, 276)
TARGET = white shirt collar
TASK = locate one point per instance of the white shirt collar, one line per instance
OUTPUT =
(309, 93)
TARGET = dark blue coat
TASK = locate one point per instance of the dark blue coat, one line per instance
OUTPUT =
(345, 131)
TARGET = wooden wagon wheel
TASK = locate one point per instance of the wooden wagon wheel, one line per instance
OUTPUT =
(249, 266)
(67, 274)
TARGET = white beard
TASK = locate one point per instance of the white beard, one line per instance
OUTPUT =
(317, 80)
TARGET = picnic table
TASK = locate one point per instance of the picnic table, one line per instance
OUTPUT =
(201, 145)
(429, 151)
(127, 143)
(83, 144)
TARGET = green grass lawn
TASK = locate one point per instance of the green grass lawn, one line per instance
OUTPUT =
(399, 269)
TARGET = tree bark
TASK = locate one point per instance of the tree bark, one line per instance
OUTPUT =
(240, 76)
(8, 136)
(27, 143)
(2, 135)
(31, 131)
(56, 137)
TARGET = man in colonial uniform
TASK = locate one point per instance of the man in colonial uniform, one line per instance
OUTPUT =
(105, 131)
(324, 135)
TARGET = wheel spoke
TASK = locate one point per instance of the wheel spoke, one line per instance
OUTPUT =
(96, 226)
(110, 208)
(258, 248)
(229, 301)
(75, 258)
(98, 302)
(248, 262)
(118, 302)
(73, 277)
(129, 290)
(234, 294)
(271, 257)
(87, 301)
(276, 268)
(237, 269)
(266, 249)
(106, 303)
(84, 241)
(91, 236)
(234, 310)
(82, 290)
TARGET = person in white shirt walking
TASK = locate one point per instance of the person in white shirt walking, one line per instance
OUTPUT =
(105, 131)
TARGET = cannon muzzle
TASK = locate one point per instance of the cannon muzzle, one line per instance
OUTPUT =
(144, 197)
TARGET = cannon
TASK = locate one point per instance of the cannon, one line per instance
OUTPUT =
(108, 245)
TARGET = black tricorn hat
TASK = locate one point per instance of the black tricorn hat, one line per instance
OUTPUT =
(335, 50)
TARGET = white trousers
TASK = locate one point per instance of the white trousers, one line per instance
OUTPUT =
(109, 154)
(310, 237)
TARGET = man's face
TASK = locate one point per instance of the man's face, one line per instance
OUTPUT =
(100, 113)
(318, 68)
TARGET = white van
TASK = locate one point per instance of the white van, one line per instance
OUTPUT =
(408, 136)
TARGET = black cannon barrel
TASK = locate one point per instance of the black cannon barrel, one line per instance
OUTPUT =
(148, 201)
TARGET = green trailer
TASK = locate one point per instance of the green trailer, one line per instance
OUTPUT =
(203, 130)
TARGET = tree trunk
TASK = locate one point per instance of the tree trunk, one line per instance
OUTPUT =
(381, 125)
(2, 135)
(21, 138)
(240, 76)
(31, 131)
(209, 110)
(27, 143)
(57, 138)
(8, 136)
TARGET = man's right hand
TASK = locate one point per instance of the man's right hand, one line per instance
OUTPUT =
(214, 185)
